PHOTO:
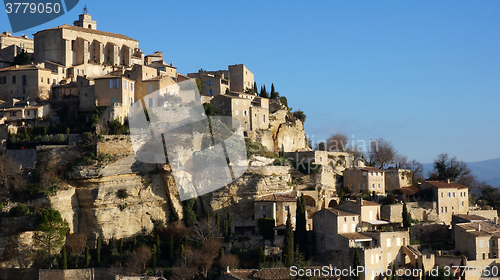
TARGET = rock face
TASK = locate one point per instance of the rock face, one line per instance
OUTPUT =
(284, 131)
(16, 241)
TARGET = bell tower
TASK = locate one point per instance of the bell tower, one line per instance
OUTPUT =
(85, 20)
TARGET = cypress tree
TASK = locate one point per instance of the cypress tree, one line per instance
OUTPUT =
(182, 251)
(87, 257)
(301, 228)
(406, 216)
(287, 250)
(395, 277)
(121, 246)
(255, 87)
(153, 256)
(356, 262)
(274, 94)
(99, 250)
(262, 254)
(65, 259)
(171, 250)
(158, 250)
(229, 221)
(226, 232)
(462, 273)
(135, 243)
(424, 277)
(217, 220)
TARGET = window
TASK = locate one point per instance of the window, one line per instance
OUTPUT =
(209, 83)
(25, 80)
(131, 101)
(150, 88)
(373, 186)
(462, 203)
(449, 194)
(77, 71)
(236, 102)
(236, 112)
(442, 209)
(263, 118)
(125, 101)
(151, 102)
(353, 219)
(29, 112)
(41, 79)
(3, 80)
(210, 92)
(287, 208)
(361, 186)
(13, 79)
(345, 219)
(125, 84)
(379, 186)
(364, 173)
(453, 194)
(398, 241)
(388, 242)
(484, 256)
(114, 100)
(441, 194)
(132, 86)
(263, 208)
(351, 173)
(244, 113)
(48, 81)
(446, 209)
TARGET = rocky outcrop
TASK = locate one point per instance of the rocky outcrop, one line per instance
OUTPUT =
(284, 131)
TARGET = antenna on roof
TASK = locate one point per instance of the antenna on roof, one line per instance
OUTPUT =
(85, 10)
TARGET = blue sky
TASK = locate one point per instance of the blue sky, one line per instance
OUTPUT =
(424, 75)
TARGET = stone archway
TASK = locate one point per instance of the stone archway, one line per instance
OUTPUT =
(309, 200)
(333, 204)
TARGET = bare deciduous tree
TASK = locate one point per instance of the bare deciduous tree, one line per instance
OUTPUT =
(138, 260)
(10, 176)
(75, 243)
(450, 168)
(381, 152)
(205, 230)
(337, 142)
(184, 272)
(209, 251)
(230, 260)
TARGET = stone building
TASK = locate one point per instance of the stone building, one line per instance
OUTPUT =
(238, 78)
(359, 179)
(451, 198)
(116, 92)
(22, 113)
(212, 85)
(163, 69)
(328, 224)
(11, 46)
(368, 211)
(397, 178)
(26, 82)
(276, 206)
(83, 44)
(251, 111)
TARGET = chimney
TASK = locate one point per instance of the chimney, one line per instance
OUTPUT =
(227, 269)
(448, 180)
(25, 36)
(171, 63)
(6, 33)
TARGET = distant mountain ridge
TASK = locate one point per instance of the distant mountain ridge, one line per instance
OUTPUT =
(486, 170)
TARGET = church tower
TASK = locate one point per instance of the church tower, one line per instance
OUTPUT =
(85, 20)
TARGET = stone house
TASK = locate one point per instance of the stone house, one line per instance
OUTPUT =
(397, 178)
(11, 46)
(22, 113)
(116, 92)
(83, 44)
(163, 69)
(238, 79)
(451, 198)
(276, 206)
(359, 179)
(478, 241)
(26, 82)
(328, 224)
(160, 85)
(212, 85)
(368, 211)
(251, 111)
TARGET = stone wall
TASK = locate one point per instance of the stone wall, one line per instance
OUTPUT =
(25, 158)
(488, 214)
(19, 274)
(431, 233)
(60, 274)
(392, 213)
(116, 145)
(397, 178)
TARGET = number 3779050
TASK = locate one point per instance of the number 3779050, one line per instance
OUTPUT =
(40, 8)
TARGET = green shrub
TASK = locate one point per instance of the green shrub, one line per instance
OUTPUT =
(19, 210)
(123, 206)
(122, 193)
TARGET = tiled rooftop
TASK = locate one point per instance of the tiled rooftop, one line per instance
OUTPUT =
(88, 30)
(445, 185)
(283, 197)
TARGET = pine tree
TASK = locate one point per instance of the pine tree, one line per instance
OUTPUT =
(99, 250)
(287, 250)
(154, 260)
(87, 257)
(301, 227)
(171, 250)
(356, 262)
(65, 259)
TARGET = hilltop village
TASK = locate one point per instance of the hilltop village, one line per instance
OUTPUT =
(77, 204)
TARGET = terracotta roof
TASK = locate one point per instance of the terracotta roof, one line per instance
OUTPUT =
(292, 196)
(482, 228)
(364, 203)
(354, 236)
(24, 67)
(406, 190)
(88, 30)
(340, 212)
(157, 78)
(445, 185)
(12, 36)
(242, 273)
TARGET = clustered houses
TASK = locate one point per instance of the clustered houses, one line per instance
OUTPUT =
(97, 68)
